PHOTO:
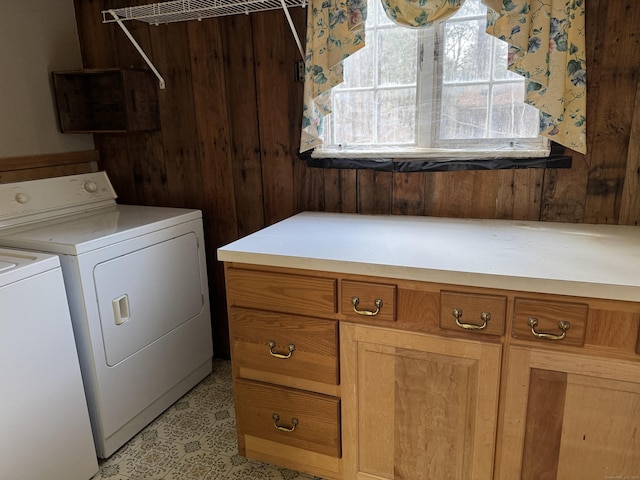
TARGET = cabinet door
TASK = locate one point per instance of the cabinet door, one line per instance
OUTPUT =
(417, 406)
(570, 416)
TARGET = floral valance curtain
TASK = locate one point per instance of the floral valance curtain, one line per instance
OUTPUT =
(420, 13)
(335, 30)
(547, 46)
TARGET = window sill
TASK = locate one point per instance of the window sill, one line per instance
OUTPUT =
(557, 159)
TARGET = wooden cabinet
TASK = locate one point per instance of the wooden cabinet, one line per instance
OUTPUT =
(516, 360)
(109, 100)
(422, 380)
(417, 406)
(570, 416)
(285, 361)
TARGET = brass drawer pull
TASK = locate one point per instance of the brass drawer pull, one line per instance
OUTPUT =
(294, 423)
(272, 344)
(377, 302)
(563, 325)
(484, 316)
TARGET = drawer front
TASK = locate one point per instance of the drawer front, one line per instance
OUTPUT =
(373, 301)
(475, 313)
(294, 346)
(278, 292)
(288, 416)
(546, 317)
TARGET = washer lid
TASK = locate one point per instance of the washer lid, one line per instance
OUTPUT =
(84, 232)
(18, 264)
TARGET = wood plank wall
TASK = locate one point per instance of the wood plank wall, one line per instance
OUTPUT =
(230, 132)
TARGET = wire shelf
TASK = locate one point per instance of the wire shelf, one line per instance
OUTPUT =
(182, 10)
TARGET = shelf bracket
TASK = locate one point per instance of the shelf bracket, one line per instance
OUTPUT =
(161, 82)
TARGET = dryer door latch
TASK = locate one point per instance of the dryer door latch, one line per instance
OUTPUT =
(121, 309)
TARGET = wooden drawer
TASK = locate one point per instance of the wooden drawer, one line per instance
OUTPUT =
(261, 341)
(317, 417)
(548, 315)
(279, 292)
(472, 310)
(375, 301)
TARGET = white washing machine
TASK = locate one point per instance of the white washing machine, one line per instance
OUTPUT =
(136, 283)
(44, 422)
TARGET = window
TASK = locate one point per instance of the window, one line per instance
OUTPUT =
(441, 93)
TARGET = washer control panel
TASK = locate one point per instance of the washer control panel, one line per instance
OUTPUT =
(21, 202)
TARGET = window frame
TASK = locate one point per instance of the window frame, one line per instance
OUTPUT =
(434, 160)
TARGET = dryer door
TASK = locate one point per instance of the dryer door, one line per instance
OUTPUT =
(146, 294)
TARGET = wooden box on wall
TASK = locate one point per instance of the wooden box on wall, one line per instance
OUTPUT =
(111, 100)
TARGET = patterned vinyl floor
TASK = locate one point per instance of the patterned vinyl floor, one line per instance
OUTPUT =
(194, 439)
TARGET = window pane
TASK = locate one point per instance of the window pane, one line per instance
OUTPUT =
(358, 69)
(500, 72)
(398, 46)
(471, 8)
(397, 116)
(510, 116)
(464, 112)
(467, 50)
(379, 16)
(457, 94)
(353, 117)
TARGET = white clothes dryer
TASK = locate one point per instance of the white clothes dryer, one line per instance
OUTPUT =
(136, 283)
(44, 421)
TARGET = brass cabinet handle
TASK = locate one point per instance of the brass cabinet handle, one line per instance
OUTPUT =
(272, 344)
(294, 423)
(377, 302)
(484, 316)
(563, 325)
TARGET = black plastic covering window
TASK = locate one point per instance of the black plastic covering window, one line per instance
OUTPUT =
(557, 159)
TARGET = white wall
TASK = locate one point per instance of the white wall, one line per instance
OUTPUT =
(36, 38)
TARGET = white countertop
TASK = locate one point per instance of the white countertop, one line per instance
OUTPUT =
(600, 261)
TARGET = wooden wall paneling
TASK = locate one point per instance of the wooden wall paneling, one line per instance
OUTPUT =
(126, 53)
(237, 40)
(620, 38)
(408, 193)
(145, 154)
(470, 194)
(613, 74)
(211, 112)
(274, 54)
(308, 182)
(340, 193)
(519, 194)
(630, 204)
(35, 167)
(332, 190)
(375, 192)
(611, 119)
(211, 115)
(349, 191)
(108, 47)
(44, 172)
(564, 192)
(309, 187)
(145, 157)
(171, 56)
(96, 41)
(49, 160)
(115, 160)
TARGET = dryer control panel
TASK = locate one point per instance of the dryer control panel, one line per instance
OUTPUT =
(23, 202)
